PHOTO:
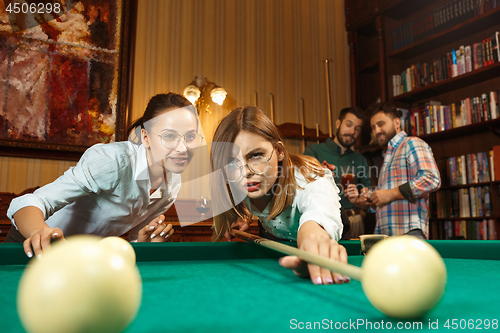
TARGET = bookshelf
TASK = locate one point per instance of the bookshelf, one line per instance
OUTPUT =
(414, 40)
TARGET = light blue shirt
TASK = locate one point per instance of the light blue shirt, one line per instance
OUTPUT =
(105, 194)
(316, 201)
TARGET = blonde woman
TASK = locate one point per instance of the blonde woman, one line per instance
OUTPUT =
(293, 196)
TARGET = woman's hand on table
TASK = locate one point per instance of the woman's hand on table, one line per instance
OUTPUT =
(40, 240)
(156, 231)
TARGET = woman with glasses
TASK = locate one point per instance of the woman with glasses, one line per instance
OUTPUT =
(116, 187)
(293, 196)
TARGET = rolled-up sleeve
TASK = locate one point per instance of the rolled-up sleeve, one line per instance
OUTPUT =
(98, 170)
(422, 164)
(320, 202)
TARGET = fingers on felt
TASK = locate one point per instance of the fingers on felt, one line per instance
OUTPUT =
(328, 249)
(298, 266)
(343, 259)
(290, 262)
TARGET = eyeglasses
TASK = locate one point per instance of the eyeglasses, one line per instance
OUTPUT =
(257, 165)
(171, 140)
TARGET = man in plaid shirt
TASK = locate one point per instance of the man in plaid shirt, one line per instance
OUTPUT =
(408, 175)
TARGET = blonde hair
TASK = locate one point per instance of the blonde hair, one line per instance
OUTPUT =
(253, 120)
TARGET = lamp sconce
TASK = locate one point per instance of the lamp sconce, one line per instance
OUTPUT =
(195, 92)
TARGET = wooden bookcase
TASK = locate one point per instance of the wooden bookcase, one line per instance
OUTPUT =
(374, 62)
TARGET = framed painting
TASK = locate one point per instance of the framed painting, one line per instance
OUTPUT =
(64, 75)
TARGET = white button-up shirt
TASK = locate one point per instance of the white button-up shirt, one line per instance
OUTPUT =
(316, 201)
(107, 193)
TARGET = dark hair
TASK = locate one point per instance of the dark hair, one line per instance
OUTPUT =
(358, 112)
(387, 108)
(159, 104)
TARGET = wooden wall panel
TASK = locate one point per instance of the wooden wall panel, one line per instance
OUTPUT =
(249, 47)
(18, 174)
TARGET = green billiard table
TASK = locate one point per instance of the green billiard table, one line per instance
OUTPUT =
(240, 287)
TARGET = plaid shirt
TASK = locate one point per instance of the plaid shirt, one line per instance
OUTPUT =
(407, 160)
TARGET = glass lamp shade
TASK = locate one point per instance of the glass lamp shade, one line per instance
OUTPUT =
(218, 95)
(192, 93)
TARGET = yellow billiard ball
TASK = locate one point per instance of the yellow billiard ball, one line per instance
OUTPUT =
(121, 246)
(403, 277)
(79, 286)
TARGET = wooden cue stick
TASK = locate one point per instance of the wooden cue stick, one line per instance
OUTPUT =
(272, 108)
(303, 118)
(353, 272)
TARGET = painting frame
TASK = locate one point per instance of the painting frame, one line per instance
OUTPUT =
(62, 151)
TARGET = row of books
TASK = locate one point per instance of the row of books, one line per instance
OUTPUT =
(467, 169)
(450, 14)
(463, 202)
(456, 62)
(432, 117)
(464, 229)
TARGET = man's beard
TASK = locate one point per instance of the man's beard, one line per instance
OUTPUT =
(388, 137)
(343, 143)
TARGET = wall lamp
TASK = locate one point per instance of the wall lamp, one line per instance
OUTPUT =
(200, 86)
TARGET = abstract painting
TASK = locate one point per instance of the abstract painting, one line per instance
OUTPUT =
(60, 74)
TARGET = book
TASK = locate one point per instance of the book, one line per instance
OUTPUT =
(494, 104)
(475, 63)
(470, 178)
(480, 61)
(483, 230)
(487, 201)
(478, 192)
(484, 106)
(495, 49)
(492, 232)
(468, 110)
(463, 167)
(461, 60)
(489, 43)
(468, 59)
(496, 162)
(486, 166)
(475, 172)
(492, 166)
(486, 54)
(454, 67)
(472, 199)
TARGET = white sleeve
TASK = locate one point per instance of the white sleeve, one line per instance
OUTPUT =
(320, 202)
(96, 171)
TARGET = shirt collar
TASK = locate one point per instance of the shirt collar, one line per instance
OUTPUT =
(394, 143)
(333, 145)
(397, 139)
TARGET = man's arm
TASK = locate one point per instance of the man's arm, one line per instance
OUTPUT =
(421, 162)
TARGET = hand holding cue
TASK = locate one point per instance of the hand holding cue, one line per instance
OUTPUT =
(353, 272)
(399, 293)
